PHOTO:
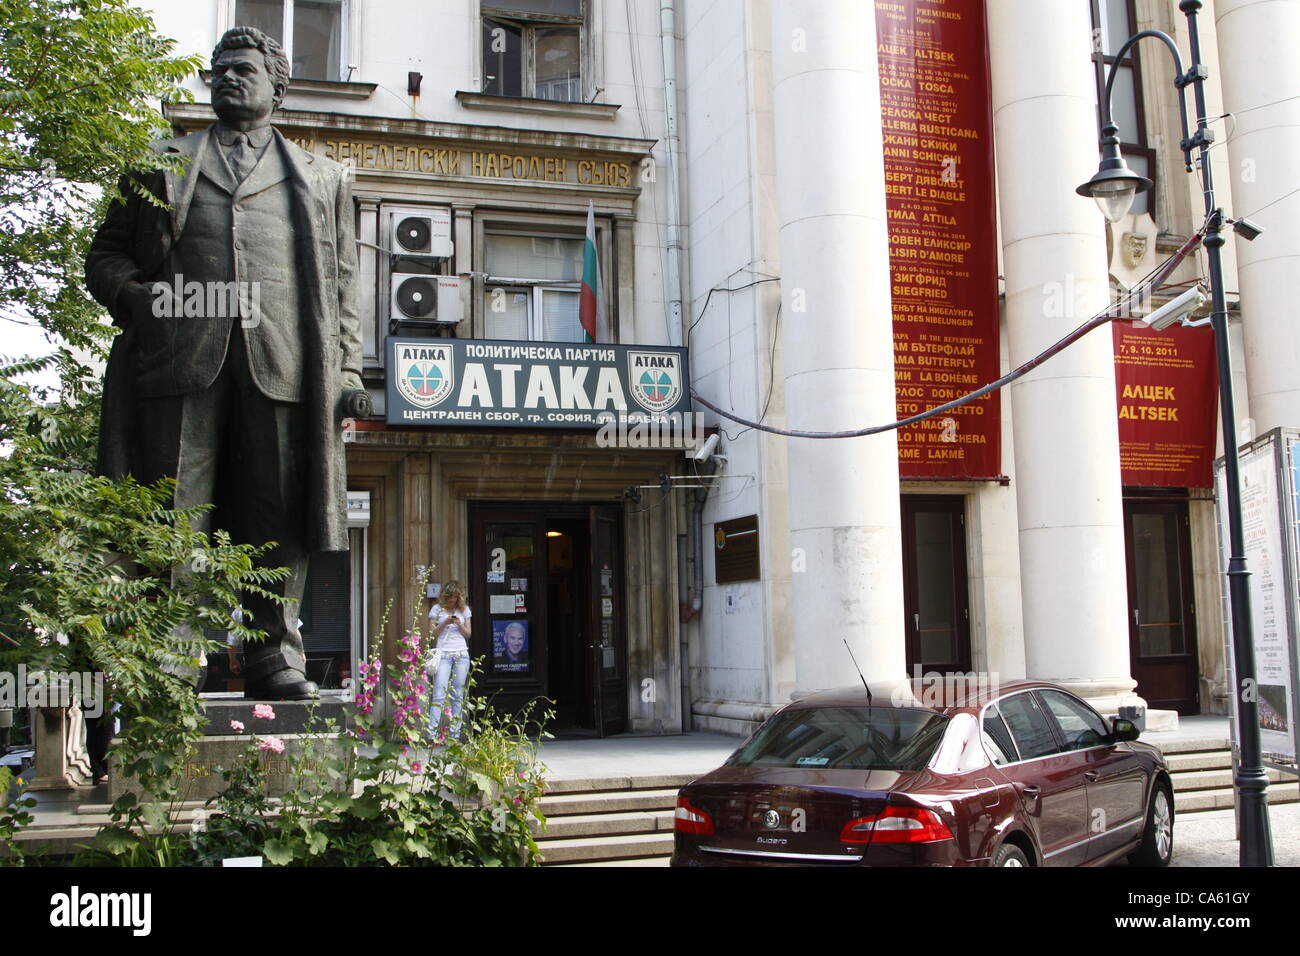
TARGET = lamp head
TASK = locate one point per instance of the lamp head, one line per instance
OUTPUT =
(1114, 185)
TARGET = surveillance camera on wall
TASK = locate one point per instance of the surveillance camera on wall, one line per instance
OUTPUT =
(705, 451)
(1176, 310)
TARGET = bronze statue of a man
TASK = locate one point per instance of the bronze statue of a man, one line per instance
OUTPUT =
(240, 353)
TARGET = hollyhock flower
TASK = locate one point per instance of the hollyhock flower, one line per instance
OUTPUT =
(237, 726)
(264, 711)
(416, 767)
(273, 744)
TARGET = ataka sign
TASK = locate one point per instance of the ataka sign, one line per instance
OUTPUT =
(532, 384)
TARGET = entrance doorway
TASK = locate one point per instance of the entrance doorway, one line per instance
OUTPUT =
(1162, 610)
(935, 595)
(547, 591)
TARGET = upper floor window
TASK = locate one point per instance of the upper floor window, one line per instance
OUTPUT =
(1113, 22)
(534, 48)
(533, 287)
(312, 32)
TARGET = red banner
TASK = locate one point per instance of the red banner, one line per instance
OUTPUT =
(1166, 390)
(938, 143)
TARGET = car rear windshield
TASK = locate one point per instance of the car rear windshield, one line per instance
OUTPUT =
(844, 738)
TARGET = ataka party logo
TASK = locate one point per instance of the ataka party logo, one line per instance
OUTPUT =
(424, 373)
(655, 379)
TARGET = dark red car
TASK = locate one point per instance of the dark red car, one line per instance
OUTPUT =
(1023, 774)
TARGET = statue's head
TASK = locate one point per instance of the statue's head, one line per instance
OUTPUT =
(250, 75)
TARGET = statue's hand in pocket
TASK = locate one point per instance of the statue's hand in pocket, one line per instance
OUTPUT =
(152, 313)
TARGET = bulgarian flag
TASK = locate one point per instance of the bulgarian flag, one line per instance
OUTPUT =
(591, 304)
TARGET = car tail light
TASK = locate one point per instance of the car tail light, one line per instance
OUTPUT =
(689, 819)
(897, 825)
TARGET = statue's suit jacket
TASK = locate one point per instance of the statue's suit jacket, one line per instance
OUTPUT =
(290, 227)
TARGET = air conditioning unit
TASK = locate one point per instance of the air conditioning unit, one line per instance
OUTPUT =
(425, 298)
(420, 231)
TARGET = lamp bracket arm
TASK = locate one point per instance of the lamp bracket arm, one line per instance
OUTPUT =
(1181, 80)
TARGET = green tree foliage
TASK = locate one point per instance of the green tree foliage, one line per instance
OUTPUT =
(80, 82)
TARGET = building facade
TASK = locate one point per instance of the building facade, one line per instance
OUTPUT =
(741, 164)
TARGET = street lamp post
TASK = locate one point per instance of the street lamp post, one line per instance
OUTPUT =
(1114, 187)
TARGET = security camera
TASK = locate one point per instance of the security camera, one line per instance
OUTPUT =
(1246, 229)
(705, 451)
(1176, 310)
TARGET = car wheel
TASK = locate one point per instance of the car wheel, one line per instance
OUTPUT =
(1009, 855)
(1157, 847)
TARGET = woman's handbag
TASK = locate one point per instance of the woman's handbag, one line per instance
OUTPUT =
(432, 661)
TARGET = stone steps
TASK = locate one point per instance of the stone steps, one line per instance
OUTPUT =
(609, 821)
(1201, 772)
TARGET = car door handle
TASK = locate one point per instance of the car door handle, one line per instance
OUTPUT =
(1091, 775)
(1029, 790)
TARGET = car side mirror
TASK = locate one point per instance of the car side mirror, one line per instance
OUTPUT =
(1122, 729)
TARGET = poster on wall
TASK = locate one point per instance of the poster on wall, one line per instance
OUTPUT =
(938, 143)
(1268, 530)
(1166, 394)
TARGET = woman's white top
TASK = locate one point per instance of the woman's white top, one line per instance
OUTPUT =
(452, 639)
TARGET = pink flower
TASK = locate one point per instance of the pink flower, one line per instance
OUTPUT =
(237, 726)
(416, 767)
(264, 711)
(273, 744)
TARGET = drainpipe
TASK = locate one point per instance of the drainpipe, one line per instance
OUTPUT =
(695, 592)
(687, 539)
(667, 31)
(684, 612)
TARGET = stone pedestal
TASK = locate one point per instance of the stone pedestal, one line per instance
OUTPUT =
(301, 726)
(59, 735)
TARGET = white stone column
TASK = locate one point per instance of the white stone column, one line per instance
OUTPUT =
(838, 342)
(1067, 477)
(1257, 53)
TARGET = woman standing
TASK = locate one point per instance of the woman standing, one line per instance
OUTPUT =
(451, 626)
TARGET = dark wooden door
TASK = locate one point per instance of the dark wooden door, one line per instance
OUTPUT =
(935, 594)
(1162, 610)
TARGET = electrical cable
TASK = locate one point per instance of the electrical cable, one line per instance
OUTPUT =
(1112, 312)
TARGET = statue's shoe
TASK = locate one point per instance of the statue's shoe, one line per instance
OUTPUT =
(288, 684)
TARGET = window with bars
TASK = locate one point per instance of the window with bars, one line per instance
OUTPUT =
(1113, 22)
(312, 32)
(534, 48)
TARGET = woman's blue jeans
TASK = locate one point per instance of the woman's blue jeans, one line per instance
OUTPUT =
(453, 667)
